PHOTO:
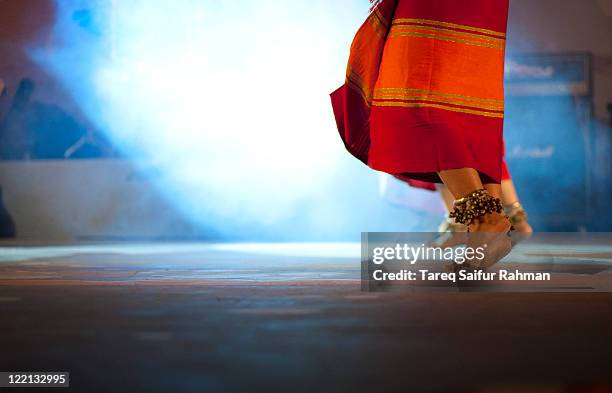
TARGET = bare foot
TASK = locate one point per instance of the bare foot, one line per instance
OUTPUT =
(523, 228)
(490, 234)
(518, 217)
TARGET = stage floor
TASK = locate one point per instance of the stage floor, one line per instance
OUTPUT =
(197, 317)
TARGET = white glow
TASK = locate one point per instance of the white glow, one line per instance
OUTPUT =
(229, 98)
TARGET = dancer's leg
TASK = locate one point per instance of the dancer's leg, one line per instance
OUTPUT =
(514, 209)
(463, 182)
(510, 200)
(509, 194)
(488, 231)
(451, 234)
(447, 197)
(495, 190)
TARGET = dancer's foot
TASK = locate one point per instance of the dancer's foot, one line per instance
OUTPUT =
(519, 218)
(520, 224)
(491, 223)
(451, 234)
(490, 232)
(487, 226)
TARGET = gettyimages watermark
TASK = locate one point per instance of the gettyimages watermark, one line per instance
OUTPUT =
(542, 262)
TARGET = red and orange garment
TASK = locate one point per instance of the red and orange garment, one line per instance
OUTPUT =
(424, 88)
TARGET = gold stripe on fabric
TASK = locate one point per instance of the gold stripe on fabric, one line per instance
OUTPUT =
(450, 25)
(377, 25)
(356, 83)
(383, 21)
(350, 74)
(433, 30)
(442, 38)
(437, 106)
(439, 100)
(394, 90)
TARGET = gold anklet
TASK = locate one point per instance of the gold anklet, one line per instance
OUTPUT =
(475, 205)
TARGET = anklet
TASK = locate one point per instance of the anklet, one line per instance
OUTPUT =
(477, 204)
(516, 212)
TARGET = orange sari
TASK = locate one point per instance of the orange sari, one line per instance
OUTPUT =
(424, 88)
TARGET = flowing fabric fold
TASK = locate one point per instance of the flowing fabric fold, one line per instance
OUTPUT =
(352, 102)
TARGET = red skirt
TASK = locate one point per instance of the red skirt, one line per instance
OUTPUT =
(424, 90)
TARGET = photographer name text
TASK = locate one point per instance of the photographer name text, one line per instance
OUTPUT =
(478, 275)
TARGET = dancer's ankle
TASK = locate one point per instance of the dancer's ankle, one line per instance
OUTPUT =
(480, 212)
(491, 222)
(518, 217)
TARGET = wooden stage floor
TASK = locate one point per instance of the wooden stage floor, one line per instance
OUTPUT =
(292, 317)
